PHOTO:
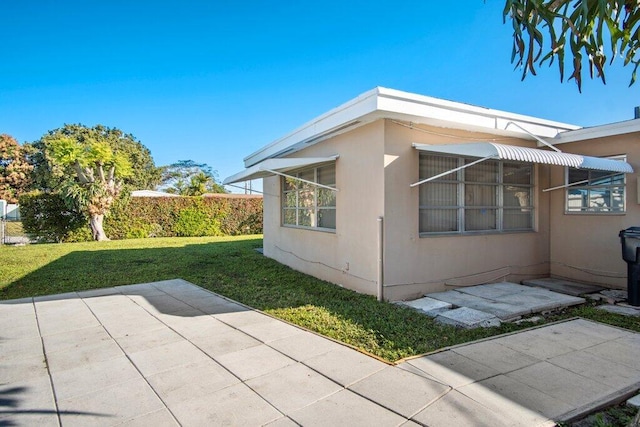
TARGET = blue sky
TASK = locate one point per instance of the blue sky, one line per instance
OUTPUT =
(213, 81)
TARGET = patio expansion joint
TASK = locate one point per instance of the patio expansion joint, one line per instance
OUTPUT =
(46, 363)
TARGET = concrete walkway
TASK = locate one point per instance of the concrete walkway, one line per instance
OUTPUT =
(170, 353)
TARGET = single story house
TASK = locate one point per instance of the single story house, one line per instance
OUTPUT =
(399, 194)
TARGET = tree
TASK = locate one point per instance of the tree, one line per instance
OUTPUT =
(189, 178)
(15, 170)
(599, 31)
(91, 166)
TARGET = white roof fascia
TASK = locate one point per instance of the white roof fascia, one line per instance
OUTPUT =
(381, 103)
(269, 167)
(529, 155)
(603, 131)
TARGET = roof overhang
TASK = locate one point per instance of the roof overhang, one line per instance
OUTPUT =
(594, 132)
(493, 150)
(383, 103)
(270, 167)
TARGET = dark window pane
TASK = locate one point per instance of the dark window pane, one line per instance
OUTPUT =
(438, 220)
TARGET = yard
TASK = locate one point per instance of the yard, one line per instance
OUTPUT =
(231, 267)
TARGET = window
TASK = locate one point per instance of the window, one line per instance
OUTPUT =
(491, 196)
(595, 191)
(307, 205)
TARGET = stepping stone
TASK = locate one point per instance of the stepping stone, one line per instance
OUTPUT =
(429, 306)
(615, 295)
(468, 318)
(619, 309)
(634, 401)
(564, 286)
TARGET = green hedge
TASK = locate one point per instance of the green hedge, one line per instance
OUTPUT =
(45, 217)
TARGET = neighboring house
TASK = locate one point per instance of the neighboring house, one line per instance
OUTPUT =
(446, 194)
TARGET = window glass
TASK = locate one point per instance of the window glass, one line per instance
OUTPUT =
(595, 191)
(307, 205)
(491, 196)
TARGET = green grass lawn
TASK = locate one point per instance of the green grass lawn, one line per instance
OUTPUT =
(231, 267)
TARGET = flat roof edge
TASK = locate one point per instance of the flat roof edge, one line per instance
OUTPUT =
(601, 131)
(382, 102)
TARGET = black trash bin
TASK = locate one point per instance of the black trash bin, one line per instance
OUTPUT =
(630, 240)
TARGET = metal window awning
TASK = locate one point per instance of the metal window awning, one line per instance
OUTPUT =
(270, 167)
(492, 150)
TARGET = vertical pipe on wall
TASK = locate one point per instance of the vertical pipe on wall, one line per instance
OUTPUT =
(380, 258)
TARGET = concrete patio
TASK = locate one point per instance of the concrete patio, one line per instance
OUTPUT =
(171, 353)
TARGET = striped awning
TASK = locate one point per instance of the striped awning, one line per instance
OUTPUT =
(493, 150)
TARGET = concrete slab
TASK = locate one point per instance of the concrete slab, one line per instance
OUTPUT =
(496, 356)
(269, 330)
(86, 378)
(456, 409)
(253, 362)
(634, 401)
(223, 343)
(615, 295)
(602, 370)
(561, 384)
(535, 343)
(344, 365)
(399, 390)
(430, 306)
(110, 406)
(451, 368)
(234, 405)
(623, 351)
(518, 403)
(507, 301)
(348, 409)
(493, 291)
(182, 383)
(303, 346)
(28, 402)
(620, 309)
(564, 286)
(468, 318)
(141, 366)
(168, 356)
(293, 387)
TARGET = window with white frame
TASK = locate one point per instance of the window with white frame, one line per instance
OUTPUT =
(591, 191)
(307, 205)
(491, 196)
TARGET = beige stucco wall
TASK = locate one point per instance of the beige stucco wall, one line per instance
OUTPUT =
(586, 247)
(413, 265)
(376, 165)
(347, 257)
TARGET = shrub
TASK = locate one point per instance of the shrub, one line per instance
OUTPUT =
(46, 218)
(194, 222)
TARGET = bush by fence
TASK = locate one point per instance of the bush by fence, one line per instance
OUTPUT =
(46, 218)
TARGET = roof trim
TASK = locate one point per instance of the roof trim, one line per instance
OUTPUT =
(528, 155)
(267, 167)
(603, 131)
(383, 103)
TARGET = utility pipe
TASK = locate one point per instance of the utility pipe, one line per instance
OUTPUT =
(380, 258)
